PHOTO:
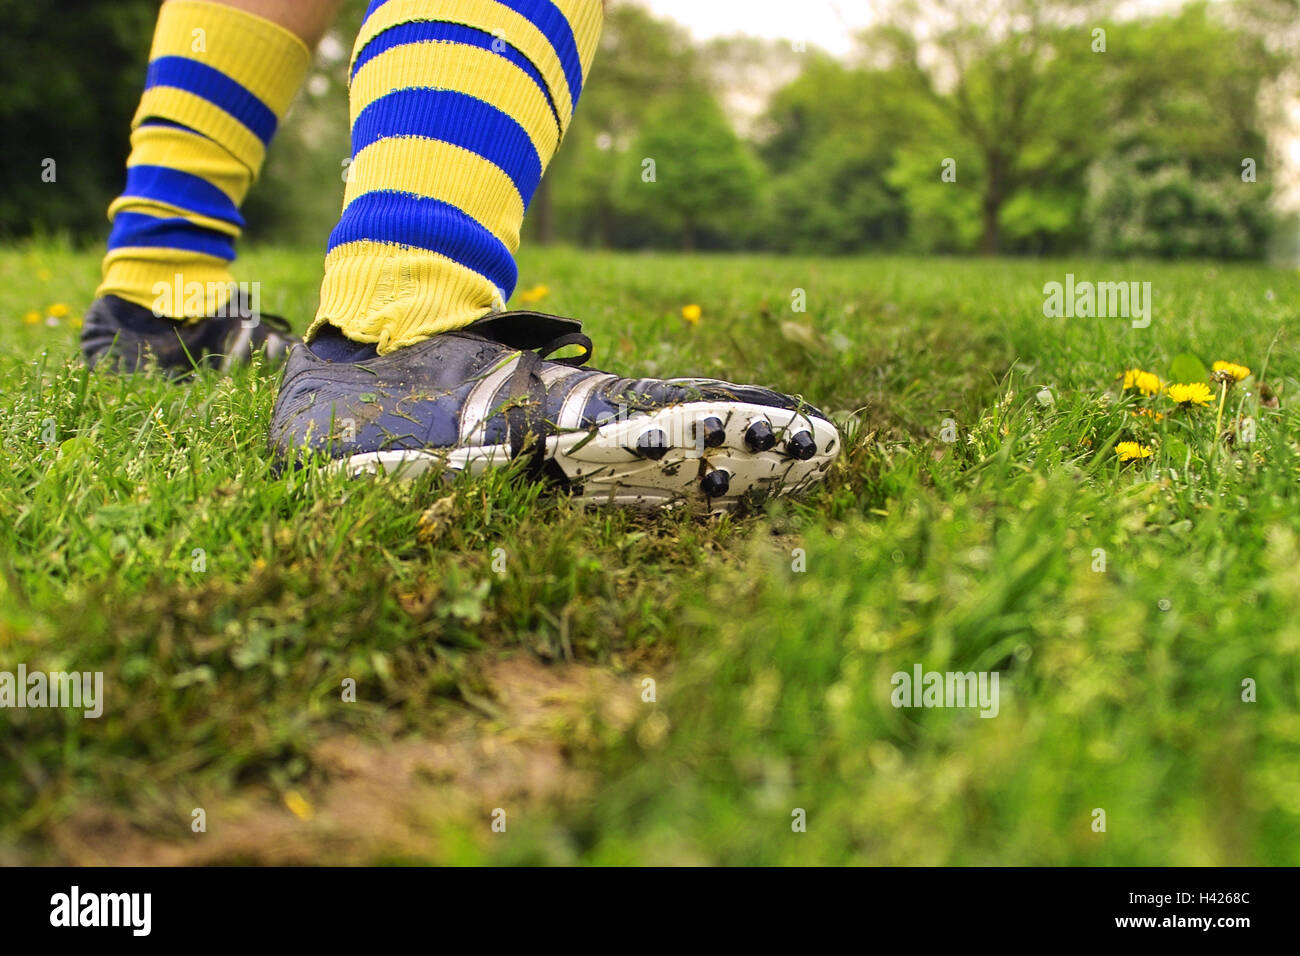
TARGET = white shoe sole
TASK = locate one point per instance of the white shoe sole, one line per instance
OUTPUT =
(605, 468)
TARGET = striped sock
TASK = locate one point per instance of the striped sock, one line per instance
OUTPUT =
(457, 107)
(219, 82)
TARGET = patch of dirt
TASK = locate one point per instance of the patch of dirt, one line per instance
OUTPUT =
(397, 800)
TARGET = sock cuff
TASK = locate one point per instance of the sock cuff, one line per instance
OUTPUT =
(225, 73)
(393, 297)
(171, 285)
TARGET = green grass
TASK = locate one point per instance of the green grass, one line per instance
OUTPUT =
(1121, 688)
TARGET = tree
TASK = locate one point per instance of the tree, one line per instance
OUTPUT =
(689, 174)
(69, 84)
(1187, 171)
(1009, 91)
(829, 139)
(641, 62)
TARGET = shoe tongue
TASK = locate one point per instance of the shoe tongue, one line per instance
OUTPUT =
(332, 345)
(523, 330)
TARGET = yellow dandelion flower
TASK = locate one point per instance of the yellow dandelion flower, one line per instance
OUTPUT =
(691, 313)
(1229, 371)
(1147, 413)
(32, 317)
(1197, 393)
(58, 310)
(1148, 383)
(536, 294)
(1132, 451)
(298, 805)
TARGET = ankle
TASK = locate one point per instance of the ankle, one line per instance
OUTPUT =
(332, 345)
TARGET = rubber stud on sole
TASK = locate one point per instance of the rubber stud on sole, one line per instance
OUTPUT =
(759, 436)
(716, 483)
(652, 444)
(801, 446)
(711, 432)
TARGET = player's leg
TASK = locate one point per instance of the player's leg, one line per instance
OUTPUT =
(306, 19)
(221, 77)
(457, 107)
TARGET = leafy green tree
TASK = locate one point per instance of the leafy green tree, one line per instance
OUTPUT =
(689, 175)
(69, 83)
(641, 62)
(1187, 172)
(1007, 100)
(829, 139)
(1155, 205)
(827, 99)
(838, 200)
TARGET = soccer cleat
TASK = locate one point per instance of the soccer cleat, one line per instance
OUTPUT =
(128, 338)
(488, 394)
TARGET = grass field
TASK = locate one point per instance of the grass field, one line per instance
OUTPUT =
(500, 640)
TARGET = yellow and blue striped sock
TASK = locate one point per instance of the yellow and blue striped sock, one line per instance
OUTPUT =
(219, 82)
(457, 106)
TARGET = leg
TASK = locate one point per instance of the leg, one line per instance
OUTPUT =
(221, 77)
(306, 19)
(457, 107)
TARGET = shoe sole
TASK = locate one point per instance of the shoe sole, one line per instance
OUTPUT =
(604, 467)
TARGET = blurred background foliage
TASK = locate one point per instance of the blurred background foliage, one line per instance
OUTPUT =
(1056, 145)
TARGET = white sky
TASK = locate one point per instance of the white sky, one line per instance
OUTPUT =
(829, 24)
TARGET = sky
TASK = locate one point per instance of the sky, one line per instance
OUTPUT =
(829, 24)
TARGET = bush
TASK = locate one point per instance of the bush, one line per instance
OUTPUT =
(1143, 204)
(837, 200)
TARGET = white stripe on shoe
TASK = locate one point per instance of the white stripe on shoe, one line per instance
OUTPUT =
(557, 373)
(478, 406)
(240, 350)
(575, 403)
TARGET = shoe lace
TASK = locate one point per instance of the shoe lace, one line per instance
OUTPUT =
(544, 353)
(527, 396)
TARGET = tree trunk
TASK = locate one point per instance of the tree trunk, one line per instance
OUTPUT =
(540, 210)
(991, 239)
